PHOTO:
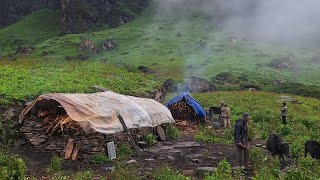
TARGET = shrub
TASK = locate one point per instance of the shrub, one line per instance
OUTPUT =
(293, 173)
(262, 117)
(307, 168)
(297, 147)
(168, 173)
(55, 164)
(12, 167)
(123, 151)
(262, 131)
(172, 132)
(224, 171)
(99, 159)
(206, 135)
(265, 168)
(308, 123)
(59, 176)
(123, 173)
(284, 130)
(6, 131)
(151, 139)
(86, 175)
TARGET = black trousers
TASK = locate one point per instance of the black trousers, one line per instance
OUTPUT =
(284, 119)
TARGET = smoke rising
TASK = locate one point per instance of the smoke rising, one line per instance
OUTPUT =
(284, 22)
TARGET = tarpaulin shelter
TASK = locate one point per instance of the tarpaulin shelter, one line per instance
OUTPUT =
(198, 109)
(100, 111)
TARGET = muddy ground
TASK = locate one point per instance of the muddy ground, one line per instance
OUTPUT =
(184, 154)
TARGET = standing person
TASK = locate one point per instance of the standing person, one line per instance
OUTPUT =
(283, 110)
(226, 114)
(241, 140)
(220, 109)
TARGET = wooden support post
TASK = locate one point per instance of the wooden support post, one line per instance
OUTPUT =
(75, 151)
(133, 143)
(69, 149)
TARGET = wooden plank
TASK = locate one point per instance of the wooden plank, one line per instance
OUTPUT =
(69, 149)
(133, 143)
(161, 133)
(75, 151)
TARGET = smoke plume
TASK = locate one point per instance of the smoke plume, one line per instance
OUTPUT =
(285, 22)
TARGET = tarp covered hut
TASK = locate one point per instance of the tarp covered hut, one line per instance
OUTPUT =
(185, 107)
(54, 122)
(99, 111)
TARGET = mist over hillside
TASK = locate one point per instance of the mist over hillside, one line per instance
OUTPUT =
(284, 22)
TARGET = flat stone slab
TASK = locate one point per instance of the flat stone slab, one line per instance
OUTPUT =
(202, 171)
(186, 144)
(194, 155)
(206, 169)
(157, 149)
(174, 151)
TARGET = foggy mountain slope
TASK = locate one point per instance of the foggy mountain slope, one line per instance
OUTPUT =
(283, 22)
(178, 39)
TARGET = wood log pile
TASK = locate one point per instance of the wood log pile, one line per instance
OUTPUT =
(183, 111)
(61, 124)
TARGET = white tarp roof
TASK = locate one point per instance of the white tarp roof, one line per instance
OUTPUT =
(99, 111)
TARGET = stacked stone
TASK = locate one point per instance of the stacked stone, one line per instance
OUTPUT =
(91, 144)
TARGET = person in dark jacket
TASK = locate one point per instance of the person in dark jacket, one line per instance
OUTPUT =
(241, 140)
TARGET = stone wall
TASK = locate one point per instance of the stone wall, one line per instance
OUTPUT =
(91, 144)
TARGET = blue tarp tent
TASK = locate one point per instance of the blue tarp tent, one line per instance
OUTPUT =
(200, 112)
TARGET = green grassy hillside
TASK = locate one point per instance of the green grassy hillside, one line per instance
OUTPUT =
(174, 47)
(24, 79)
(35, 28)
(264, 109)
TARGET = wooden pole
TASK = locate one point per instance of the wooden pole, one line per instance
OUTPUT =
(75, 151)
(133, 143)
(69, 149)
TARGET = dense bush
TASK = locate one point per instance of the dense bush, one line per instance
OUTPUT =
(86, 175)
(150, 139)
(168, 173)
(298, 89)
(99, 159)
(264, 168)
(172, 132)
(55, 164)
(284, 130)
(206, 135)
(123, 151)
(11, 167)
(307, 168)
(6, 131)
(223, 171)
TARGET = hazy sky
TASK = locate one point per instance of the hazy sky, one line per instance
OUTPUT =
(290, 22)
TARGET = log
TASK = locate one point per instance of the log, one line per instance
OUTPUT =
(161, 134)
(69, 149)
(133, 143)
(75, 151)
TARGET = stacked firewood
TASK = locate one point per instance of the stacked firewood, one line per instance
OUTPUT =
(182, 111)
(62, 124)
